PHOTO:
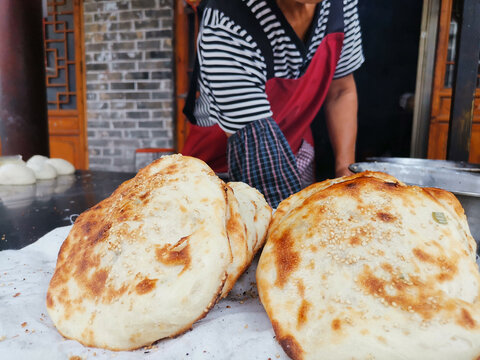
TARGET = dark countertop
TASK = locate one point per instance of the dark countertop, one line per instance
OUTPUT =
(27, 212)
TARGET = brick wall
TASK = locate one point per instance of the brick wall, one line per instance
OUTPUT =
(129, 72)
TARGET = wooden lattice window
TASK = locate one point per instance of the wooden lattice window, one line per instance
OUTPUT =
(60, 55)
(65, 80)
(447, 46)
(452, 47)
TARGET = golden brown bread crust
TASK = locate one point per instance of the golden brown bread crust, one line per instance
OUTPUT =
(248, 220)
(154, 257)
(371, 265)
(127, 274)
(237, 236)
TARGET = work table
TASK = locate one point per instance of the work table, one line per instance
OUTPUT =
(28, 212)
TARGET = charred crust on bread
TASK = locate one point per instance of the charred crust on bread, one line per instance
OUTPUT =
(288, 343)
(336, 325)
(177, 255)
(466, 319)
(145, 286)
(448, 268)
(291, 347)
(286, 259)
(411, 295)
(386, 217)
(303, 310)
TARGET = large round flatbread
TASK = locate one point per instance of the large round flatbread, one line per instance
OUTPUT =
(365, 267)
(147, 262)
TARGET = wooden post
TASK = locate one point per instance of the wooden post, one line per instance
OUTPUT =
(465, 82)
(186, 32)
(181, 76)
(23, 109)
(425, 79)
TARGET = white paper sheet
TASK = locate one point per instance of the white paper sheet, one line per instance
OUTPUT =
(236, 328)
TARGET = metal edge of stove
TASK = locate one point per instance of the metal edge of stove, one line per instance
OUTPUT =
(447, 164)
(457, 182)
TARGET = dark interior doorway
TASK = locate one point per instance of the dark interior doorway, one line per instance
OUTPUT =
(385, 83)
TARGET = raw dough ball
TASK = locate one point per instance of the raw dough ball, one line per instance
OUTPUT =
(62, 166)
(37, 159)
(42, 169)
(11, 159)
(16, 174)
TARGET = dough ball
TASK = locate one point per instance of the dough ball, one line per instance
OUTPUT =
(63, 167)
(42, 169)
(37, 160)
(16, 174)
(11, 159)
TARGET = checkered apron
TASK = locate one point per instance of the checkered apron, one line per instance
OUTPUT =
(260, 156)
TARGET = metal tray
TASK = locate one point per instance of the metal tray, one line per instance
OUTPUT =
(447, 164)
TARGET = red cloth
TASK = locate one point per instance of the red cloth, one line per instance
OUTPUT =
(294, 104)
(208, 143)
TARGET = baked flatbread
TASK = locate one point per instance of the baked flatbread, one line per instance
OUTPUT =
(237, 236)
(247, 230)
(365, 267)
(147, 262)
(256, 213)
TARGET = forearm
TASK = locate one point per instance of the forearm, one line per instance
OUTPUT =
(341, 117)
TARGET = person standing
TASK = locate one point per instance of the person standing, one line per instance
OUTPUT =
(264, 69)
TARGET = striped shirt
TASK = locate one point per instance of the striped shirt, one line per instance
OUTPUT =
(233, 70)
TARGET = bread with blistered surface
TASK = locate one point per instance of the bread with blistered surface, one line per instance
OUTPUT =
(366, 267)
(148, 261)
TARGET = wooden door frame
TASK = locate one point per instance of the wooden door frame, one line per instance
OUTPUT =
(439, 89)
(186, 30)
(181, 71)
(425, 78)
(441, 95)
(59, 118)
(81, 74)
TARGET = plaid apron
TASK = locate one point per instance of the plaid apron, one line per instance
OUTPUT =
(260, 156)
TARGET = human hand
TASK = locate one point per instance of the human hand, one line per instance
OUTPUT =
(342, 171)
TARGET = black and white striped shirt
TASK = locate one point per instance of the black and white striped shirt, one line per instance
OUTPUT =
(233, 70)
